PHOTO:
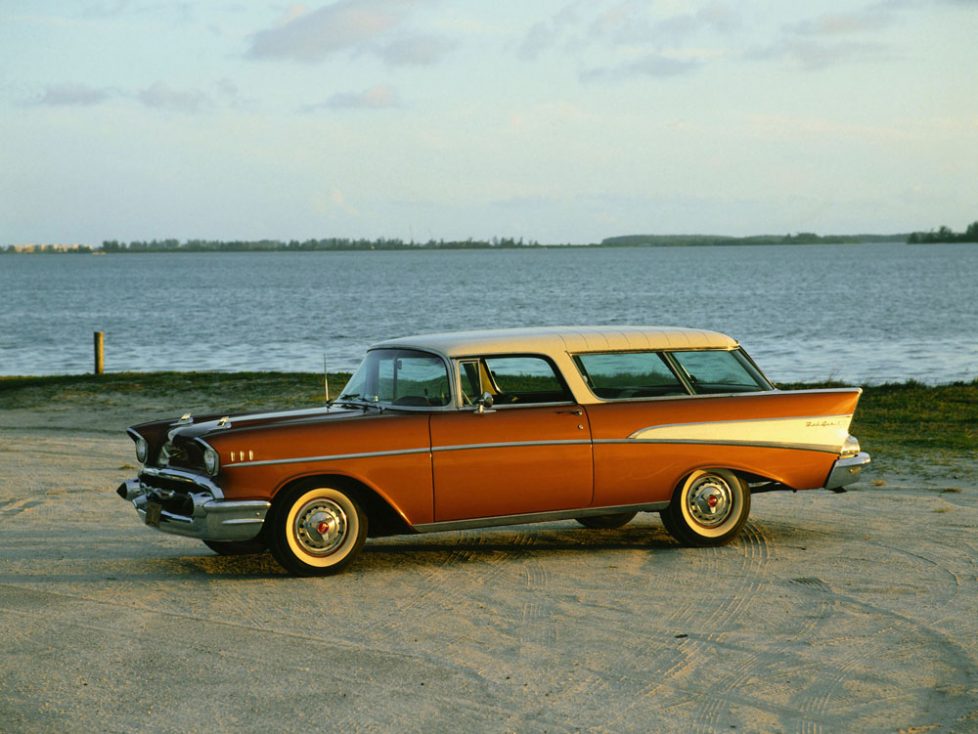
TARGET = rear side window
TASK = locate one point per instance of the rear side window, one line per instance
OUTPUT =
(623, 375)
(714, 371)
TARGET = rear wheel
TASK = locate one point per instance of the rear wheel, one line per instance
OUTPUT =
(317, 529)
(709, 508)
(605, 522)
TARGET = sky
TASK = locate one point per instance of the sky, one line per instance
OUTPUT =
(554, 120)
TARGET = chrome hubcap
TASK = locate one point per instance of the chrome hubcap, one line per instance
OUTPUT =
(710, 501)
(320, 526)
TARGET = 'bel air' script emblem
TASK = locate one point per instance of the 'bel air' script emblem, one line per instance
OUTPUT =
(822, 424)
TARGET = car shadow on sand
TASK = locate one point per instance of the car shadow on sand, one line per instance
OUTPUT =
(514, 544)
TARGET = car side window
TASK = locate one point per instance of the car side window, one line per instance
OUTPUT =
(524, 380)
(623, 375)
(718, 371)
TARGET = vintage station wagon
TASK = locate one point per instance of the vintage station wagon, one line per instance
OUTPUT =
(478, 429)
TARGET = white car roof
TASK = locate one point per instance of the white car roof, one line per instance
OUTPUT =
(563, 339)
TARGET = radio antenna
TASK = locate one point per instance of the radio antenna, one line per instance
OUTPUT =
(325, 381)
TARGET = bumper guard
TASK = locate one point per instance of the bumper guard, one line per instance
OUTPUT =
(846, 471)
(198, 511)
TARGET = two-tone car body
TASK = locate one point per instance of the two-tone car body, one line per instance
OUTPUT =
(477, 429)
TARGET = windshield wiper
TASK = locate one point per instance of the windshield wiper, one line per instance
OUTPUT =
(360, 401)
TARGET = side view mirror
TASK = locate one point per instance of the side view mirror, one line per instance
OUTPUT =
(484, 403)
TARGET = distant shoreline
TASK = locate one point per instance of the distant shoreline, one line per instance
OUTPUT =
(629, 242)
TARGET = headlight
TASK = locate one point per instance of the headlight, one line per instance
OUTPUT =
(142, 450)
(212, 461)
(850, 447)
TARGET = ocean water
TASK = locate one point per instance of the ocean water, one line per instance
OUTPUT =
(864, 314)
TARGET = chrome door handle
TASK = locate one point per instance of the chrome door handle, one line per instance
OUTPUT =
(573, 411)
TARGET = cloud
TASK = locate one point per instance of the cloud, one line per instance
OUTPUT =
(375, 27)
(651, 65)
(416, 50)
(316, 35)
(158, 95)
(162, 96)
(631, 23)
(630, 27)
(719, 17)
(73, 95)
(821, 41)
(377, 97)
(228, 93)
(837, 24)
(540, 37)
(815, 55)
(547, 33)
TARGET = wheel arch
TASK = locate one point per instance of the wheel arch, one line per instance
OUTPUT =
(747, 476)
(383, 517)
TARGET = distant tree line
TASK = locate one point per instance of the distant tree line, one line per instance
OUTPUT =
(945, 234)
(47, 249)
(331, 243)
(703, 240)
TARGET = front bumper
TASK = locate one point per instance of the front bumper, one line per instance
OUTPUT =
(846, 471)
(188, 504)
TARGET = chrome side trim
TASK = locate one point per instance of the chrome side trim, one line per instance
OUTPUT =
(712, 396)
(329, 457)
(509, 445)
(403, 452)
(727, 442)
(533, 517)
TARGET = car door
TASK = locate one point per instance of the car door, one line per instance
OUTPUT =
(529, 452)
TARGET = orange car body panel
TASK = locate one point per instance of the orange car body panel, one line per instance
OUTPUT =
(548, 469)
(401, 473)
(634, 472)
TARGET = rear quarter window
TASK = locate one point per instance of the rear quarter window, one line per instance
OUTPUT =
(715, 371)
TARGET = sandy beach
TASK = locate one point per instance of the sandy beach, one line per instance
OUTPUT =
(851, 612)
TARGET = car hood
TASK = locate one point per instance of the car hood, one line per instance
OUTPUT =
(209, 425)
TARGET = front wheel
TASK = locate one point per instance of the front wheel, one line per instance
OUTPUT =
(316, 530)
(709, 508)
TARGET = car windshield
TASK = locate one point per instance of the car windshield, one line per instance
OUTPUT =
(398, 377)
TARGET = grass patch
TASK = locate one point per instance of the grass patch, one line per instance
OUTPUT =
(913, 417)
(233, 392)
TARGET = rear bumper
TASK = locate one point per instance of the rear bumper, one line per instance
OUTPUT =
(846, 471)
(190, 505)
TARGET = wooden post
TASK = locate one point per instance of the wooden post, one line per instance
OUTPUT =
(99, 352)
